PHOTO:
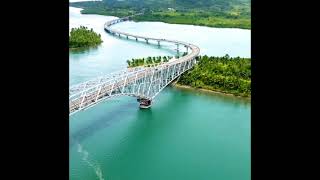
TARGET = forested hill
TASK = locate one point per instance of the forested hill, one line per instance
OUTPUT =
(214, 13)
(169, 3)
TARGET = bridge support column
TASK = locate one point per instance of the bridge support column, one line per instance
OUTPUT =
(147, 41)
(144, 103)
(158, 43)
(136, 39)
(177, 50)
(127, 37)
(119, 35)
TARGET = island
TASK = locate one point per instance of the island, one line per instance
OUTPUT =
(82, 37)
(229, 75)
(211, 13)
(151, 61)
(147, 62)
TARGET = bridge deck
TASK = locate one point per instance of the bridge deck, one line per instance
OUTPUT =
(141, 82)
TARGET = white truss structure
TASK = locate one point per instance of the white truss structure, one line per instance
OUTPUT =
(140, 82)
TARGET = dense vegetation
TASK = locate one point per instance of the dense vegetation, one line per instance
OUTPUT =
(148, 61)
(82, 37)
(151, 60)
(213, 13)
(224, 74)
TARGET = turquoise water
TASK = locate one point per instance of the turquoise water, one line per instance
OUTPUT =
(185, 135)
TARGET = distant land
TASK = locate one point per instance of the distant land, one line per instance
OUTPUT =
(82, 37)
(211, 13)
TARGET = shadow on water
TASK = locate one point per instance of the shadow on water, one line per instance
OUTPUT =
(100, 123)
(181, 97)
(83, 50)
(145, 114)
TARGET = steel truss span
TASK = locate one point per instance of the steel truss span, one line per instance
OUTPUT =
(144, 83)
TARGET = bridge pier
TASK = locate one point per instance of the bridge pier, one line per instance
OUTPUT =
(144, 103)
(177, 48)
(144, 84)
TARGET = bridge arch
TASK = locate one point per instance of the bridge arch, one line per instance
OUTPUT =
(144, 83)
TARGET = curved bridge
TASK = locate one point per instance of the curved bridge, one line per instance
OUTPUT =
(145, 83)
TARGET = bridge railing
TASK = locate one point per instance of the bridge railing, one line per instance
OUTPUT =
(129, 81)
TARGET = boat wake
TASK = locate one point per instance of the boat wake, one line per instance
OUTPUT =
(94, 165)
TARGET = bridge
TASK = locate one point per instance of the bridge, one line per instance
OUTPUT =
(144, 83)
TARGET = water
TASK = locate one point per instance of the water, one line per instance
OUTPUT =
(185, 135)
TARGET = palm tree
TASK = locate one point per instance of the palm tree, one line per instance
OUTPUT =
(165, 59)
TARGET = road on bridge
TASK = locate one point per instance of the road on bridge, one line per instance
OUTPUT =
(143, 82)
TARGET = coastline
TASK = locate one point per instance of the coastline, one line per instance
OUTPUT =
(194, 24)
(83, 11)
(83, 48)
(175, 22)
(177, 85)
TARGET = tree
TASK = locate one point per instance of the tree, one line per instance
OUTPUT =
(165, 59)
(232, 75)
(82, 37)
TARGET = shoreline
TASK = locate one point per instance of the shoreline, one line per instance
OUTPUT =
(178, 23)
(210, 26)
(84, 48)
(177, 85)
(164, 21)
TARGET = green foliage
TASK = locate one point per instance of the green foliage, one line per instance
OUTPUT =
(212, 13)
(225, 74)
(82, 37)
(230, 75)
(148, 61)
(196, 18)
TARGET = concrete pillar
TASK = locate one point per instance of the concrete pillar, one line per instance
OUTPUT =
(177, 48)
(147, 41)
(144, 103)
(158, 43)
(127, 37)
(136, 39)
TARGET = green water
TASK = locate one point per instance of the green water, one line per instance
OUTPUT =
(186, 135)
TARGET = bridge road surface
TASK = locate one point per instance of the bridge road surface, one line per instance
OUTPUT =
(87, 94)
